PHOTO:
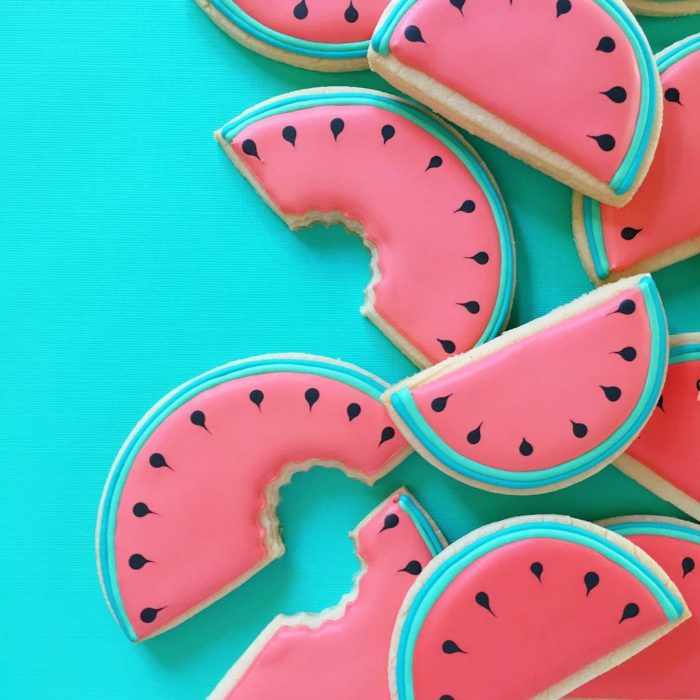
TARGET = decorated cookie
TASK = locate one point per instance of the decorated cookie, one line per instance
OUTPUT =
(665, 458)
(343, 652)
(324, 35)
(661, 8)
(661, 225)
(669, 668)
(188, 512)
(422, 200)
(528, 608)
(546, 404)
(568, 86)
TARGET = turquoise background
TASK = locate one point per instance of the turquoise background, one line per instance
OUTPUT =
(133, 257)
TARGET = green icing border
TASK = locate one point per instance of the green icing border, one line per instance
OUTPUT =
(405, 406)
(285, 42)
(684, 353)
(440, 579)
(162, 410)
(659, 529)
(626, 173)
(296, 101)
(427, 532)
(592, 218)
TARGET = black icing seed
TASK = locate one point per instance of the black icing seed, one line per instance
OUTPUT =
(311, 395)
(337, 126)
(446, 697)
(413, 567)
(631, 610)
(673, 95)
(157, 461)
(256, 396)
(481, 258)
(606, 45)
(612, 393)
(473, 307)
(354, 410)
(563, 6)
(688, 566)
(605, 142)
(141, 510)
(391, 521)
(660, 403)
(459, 4)
(474, 437)
(289, 134)
(351, 14)
(138, 561)
(149, 614)
(412, 33)
(387, 434)
(591, 580)
(301, 11)
(199, 419)
(580, 430)
(537, 570)
(388, 132)
(435, 162)
(616, 94)
(629, 234)
(450, 647)
(440, 403)
(447, 345)
(526, 449)
(626, 308)
(628, 354)
(467, 207)
(250, 148)
(482, 599)
(697, 385)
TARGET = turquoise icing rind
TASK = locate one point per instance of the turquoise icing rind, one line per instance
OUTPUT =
(161, 411)
(409, 506)
(405, 406)
(659, 529)
(296, 101)
(440, 579)
(285, 42)
(592, 219)
(684, 353)
(625, 175)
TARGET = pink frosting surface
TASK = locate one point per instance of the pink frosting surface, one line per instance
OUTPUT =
(409, 212)
(665, 212)
(539, 389)
(345, 658)
(669, 445)
(540, 72)
(536, 631)
(328, 21)
(205, 531)
(671, 667)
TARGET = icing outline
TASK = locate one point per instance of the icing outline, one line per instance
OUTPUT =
(624, 177)
(423, 525)
(403, 403)
(592, 220)
(658, 528)
(425, 121)
(145, 428)
(441, 578)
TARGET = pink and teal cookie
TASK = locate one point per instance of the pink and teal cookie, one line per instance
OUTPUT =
(546, 404)
(665, 458)
(343, 653)
(424, 203)
(667, 670)
(189, 509)
(529, 607)
(568, 86)
(661, 225)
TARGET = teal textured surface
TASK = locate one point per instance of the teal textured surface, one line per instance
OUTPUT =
(135, 257)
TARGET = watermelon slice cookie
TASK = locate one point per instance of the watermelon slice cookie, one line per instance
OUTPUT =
(665, 458)
(324, 35)
(424, 203)
(546, 404)
(664, 8)
(568, 86)
(343, 653)
(528, 608)
(661, 225)
(188, 512)
(669, 668)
